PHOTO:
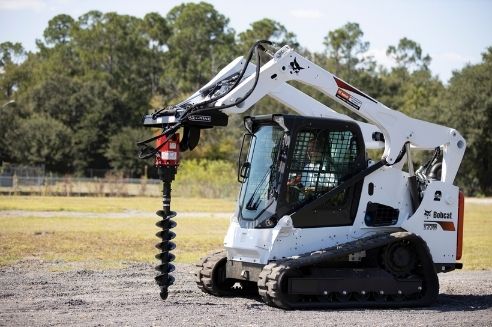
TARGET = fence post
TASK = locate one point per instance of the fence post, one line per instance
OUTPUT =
(15, 184)
(143, 183)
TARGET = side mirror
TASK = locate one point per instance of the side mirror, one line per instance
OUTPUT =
(243, 172)
(243, 166)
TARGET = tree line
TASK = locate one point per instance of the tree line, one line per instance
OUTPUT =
(80, 96)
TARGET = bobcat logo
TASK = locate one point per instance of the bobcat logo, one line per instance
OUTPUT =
(427, 213)
(295, 66)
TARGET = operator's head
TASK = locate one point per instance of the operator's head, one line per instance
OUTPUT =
(313, 151)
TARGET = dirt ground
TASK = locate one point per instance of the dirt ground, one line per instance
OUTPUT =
(31, 294)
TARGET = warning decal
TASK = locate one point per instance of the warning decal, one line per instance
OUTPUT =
(347, 87)
(347, 98)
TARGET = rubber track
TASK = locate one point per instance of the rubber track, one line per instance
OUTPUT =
(270, 278)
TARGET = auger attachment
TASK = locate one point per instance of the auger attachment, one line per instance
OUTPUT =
(167, 161)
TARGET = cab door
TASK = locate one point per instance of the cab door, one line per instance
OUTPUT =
(324, 154)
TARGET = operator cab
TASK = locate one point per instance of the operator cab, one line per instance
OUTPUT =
(288, 161)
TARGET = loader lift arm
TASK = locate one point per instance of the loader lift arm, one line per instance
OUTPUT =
(287, 65)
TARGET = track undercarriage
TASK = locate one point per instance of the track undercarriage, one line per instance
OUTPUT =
(396, 270)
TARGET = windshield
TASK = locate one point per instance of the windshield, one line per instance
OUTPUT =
(256, 191)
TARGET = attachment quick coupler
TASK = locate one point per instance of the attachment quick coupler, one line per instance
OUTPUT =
(164, 279)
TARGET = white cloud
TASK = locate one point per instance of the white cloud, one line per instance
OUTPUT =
(306, 14)
(22, 4)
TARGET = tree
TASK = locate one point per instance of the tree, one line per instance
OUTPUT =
(10, 54)
(41, 140)
(156, 31)
(410, 86)
(94, 75)
(11, 114)
(112, 48)
(467, 106)
(103, 116)
(200, 43)
(57, 102)
(59, 30)
(122, 151)
(408, 54)
(266, 29)
(346, 47)
(420, 95)
(83, 92)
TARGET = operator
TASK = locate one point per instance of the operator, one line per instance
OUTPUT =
(314, 176)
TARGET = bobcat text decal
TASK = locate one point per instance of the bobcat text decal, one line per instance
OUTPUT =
(432, 224)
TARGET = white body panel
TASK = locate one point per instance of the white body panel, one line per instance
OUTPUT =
(437, 221)
(390, 188)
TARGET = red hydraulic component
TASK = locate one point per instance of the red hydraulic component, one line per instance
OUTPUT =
(461, 217)
(168, 155)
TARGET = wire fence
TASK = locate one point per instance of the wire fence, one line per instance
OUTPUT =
(78, 186)
(110, 186)
(206, 179)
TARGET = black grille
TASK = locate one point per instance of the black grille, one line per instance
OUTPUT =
(321, 160)
(378, 214)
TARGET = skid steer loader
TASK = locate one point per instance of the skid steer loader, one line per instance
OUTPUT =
(317, 223)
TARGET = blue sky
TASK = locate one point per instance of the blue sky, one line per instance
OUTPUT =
(453, 32)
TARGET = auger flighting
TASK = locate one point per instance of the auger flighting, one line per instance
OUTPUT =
(166, 161)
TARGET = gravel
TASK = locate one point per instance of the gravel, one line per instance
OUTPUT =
(31, 293)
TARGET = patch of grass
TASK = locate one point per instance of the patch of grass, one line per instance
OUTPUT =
(477, 236)
(104, 242)
(112, 242)
(111, 204)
